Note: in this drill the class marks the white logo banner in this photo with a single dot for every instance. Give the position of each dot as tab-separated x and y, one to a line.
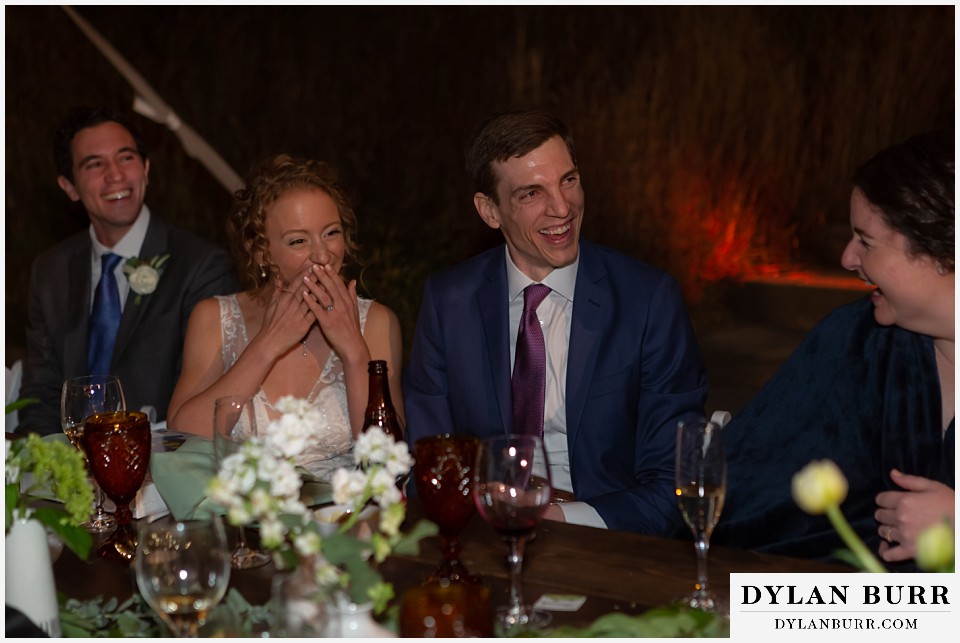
847	607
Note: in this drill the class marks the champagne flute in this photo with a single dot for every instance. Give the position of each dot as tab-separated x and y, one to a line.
513	500
234	420
182	570
81	397
701	477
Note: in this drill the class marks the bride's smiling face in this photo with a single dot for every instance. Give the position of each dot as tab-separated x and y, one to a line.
303	227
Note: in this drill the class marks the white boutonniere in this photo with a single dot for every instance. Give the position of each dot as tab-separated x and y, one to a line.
144	274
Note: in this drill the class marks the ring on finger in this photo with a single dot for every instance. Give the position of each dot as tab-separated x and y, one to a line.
329	307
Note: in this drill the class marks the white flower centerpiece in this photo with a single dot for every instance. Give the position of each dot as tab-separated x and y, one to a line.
260	483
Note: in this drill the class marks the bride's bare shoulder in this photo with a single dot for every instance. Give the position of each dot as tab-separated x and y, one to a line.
381	316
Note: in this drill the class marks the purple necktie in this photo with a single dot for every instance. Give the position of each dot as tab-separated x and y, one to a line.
530	366
104	317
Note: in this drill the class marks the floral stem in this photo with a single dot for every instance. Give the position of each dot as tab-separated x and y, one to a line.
866	558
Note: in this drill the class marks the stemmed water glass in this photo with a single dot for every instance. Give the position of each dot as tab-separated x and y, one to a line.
513	501
235	420
443	470
182	570
81	397
117	444
701	476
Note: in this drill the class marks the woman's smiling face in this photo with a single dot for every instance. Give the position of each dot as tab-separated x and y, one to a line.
303	228
907	285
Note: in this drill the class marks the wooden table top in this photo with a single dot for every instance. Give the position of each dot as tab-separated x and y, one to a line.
614	570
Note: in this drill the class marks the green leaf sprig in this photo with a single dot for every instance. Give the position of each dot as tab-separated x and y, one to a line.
56	466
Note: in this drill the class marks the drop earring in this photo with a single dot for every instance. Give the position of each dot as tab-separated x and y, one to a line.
940	269
263	271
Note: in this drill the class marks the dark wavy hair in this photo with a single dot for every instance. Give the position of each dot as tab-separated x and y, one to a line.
912	185
509	135
267	181
80	118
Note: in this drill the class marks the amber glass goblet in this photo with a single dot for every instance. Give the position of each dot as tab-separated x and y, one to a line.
118	450
446	609
444	469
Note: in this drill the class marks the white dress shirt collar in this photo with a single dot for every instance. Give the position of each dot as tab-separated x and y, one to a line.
129	245
562	281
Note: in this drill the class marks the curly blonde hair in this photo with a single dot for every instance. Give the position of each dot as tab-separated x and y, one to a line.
266	182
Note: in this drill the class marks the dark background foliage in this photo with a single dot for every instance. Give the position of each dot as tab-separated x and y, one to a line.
714	142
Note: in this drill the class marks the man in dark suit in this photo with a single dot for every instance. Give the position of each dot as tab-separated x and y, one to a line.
102	163
622	364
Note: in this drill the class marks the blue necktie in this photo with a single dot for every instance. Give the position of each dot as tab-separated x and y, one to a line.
104	318
530	366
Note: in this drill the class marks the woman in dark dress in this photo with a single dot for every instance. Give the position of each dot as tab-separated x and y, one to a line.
872	386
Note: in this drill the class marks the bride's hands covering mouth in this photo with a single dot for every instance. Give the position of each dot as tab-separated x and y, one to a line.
334	304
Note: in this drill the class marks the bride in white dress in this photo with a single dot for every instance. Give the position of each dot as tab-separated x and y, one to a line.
301	328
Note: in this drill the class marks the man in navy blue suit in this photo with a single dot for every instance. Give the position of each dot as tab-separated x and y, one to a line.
622	363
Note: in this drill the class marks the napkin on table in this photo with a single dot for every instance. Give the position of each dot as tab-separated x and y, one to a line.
181	477
14	377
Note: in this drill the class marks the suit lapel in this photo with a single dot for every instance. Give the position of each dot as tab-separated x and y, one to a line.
591	307
154	244
77	309
494	316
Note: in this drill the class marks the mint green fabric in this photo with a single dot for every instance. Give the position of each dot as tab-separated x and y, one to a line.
315	492
181	478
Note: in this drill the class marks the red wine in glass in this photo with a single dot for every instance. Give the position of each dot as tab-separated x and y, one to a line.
512	499
513	513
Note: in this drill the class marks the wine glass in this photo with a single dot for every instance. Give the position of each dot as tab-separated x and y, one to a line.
117	444
444	467
81	397
701	476
182	570
235	420
513	500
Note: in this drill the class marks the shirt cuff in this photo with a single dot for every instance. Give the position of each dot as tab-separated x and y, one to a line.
580	513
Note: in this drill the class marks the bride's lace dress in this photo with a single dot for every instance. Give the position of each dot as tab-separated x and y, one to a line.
333	447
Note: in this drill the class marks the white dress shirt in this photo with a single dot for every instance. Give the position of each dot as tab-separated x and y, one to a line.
128	246
555	314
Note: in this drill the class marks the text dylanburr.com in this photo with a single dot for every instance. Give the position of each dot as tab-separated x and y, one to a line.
852	606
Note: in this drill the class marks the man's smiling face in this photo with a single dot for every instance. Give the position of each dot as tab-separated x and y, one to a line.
540	210
109	178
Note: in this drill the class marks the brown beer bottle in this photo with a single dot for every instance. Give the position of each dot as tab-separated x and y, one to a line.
380	411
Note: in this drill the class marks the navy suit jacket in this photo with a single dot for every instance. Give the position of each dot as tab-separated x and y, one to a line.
148	351
633	371
863	395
